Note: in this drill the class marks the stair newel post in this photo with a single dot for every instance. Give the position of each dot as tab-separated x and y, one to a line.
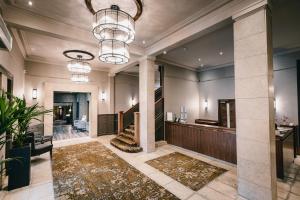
137	127
120	122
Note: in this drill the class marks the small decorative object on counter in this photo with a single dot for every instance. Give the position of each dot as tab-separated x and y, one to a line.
183	114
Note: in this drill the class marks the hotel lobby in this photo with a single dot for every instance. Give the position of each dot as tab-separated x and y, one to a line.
149	99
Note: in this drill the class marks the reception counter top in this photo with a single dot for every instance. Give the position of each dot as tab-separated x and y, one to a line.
215	141
195	125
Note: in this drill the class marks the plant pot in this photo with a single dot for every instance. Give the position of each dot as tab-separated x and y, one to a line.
19	170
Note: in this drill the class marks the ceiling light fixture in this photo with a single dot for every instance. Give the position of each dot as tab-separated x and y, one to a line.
115	29
78	64
30	3
80	78
199	59
221	53
165	52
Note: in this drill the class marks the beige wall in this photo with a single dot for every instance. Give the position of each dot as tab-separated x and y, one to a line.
13	62
37	74
181	89
126	88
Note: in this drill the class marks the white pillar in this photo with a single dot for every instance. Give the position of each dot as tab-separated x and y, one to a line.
256	166
147	107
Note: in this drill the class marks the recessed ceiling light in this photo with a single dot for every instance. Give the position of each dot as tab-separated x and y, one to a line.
30	3
165	52
199	59
184	48
221	53
144	42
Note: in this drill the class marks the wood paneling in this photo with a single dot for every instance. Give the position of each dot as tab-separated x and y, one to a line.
214	141
107	124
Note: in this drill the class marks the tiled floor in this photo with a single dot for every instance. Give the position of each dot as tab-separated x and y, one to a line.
62	132
222	188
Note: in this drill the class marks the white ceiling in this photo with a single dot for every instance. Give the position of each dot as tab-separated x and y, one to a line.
207	48
286	37
157	16
50	49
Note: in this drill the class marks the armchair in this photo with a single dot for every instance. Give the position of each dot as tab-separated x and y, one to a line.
40	145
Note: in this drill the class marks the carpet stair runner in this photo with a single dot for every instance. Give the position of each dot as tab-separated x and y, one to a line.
125	141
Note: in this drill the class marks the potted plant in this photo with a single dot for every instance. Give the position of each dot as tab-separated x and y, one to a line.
19	172
8	117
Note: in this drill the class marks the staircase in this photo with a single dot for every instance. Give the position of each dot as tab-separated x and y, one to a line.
128	139
125	141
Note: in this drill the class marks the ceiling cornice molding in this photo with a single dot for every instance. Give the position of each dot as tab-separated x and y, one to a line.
118	69
168	62
29	21
38	59
204	11
20	43
230	64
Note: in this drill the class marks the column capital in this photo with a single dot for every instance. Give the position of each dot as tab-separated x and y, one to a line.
258	5
111	74
152	58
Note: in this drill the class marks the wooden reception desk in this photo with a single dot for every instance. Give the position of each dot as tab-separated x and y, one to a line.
215	141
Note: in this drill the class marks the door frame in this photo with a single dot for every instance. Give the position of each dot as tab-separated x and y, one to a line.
50	88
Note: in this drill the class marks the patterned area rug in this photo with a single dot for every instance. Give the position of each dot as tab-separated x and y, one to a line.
190	172
91	171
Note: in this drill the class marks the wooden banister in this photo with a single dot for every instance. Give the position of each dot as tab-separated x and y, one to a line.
120	122
137	127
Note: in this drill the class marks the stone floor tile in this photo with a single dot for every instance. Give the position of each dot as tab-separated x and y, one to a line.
41	191
293	197
145	169
17	194
223	188
283	194
196	197
179	190
296	188
211	194
160	178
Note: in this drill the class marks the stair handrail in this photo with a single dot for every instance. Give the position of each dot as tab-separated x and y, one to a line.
137	128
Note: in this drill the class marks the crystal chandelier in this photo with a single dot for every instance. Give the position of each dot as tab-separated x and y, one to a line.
80	78
113	23
115	29
78	64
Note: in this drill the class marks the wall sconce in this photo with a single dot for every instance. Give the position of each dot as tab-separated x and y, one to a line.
205	104
34	94
132	102
103	96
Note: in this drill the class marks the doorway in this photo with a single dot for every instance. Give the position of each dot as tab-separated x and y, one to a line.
70	115
48	98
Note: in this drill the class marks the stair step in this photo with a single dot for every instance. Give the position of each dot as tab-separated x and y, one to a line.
130	131
131	126
124	147
130	136
126	140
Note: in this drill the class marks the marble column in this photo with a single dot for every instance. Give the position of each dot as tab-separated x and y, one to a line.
147	107
256	166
